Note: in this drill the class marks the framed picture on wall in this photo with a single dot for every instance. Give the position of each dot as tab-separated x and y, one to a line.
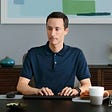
36	11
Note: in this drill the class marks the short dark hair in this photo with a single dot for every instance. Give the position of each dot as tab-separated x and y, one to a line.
59	15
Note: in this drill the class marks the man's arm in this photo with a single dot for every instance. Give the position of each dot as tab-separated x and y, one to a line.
24	88
68	91
85	84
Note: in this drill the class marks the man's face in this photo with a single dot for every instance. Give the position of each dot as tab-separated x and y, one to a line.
56	31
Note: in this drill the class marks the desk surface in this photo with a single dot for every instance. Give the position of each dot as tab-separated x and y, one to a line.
50	105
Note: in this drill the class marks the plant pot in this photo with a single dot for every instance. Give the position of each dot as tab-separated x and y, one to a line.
7	62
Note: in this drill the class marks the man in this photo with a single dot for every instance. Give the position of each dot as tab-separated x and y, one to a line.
54	65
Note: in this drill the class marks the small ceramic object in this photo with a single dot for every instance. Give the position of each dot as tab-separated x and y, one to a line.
7	62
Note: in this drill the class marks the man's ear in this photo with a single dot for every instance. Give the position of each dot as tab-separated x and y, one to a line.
66	31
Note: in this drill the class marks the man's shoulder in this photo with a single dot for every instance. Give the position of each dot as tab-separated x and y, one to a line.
35	49
74	49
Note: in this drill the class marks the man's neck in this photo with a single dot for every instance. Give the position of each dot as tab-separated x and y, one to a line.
56	48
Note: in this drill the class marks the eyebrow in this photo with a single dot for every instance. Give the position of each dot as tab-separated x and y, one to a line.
52	27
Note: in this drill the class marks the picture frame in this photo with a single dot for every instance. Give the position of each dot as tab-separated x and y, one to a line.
10	12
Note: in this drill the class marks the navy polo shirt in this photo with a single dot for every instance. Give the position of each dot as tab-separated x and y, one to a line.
55	70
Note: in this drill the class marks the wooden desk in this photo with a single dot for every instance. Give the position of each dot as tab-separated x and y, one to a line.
9	78
101	75
38	105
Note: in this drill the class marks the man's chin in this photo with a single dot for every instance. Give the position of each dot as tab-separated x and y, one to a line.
53	43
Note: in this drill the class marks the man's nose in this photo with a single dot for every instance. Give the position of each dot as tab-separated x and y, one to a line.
53	32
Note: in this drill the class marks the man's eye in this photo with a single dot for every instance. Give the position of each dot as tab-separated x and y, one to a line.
49	28
57	29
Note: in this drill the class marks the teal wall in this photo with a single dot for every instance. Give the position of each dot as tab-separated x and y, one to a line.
15	40
93	39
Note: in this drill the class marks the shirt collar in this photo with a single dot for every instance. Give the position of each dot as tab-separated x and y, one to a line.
50	52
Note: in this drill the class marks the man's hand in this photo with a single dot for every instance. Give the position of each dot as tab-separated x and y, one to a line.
45	91
68	91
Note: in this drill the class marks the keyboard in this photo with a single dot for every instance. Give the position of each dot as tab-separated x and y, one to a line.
47	97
